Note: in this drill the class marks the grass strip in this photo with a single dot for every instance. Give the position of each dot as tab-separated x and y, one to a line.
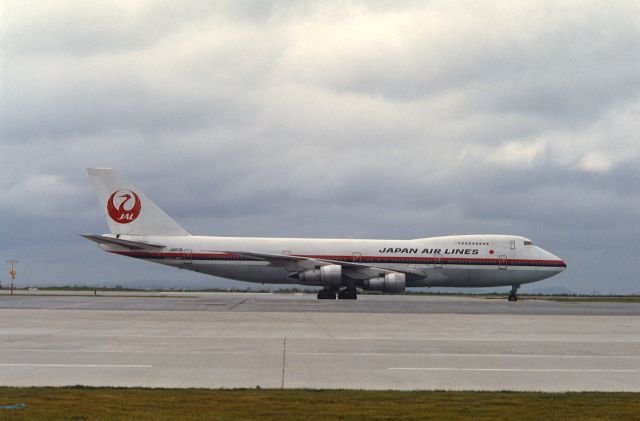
87	403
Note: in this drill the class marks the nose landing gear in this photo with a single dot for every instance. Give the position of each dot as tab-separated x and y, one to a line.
513	296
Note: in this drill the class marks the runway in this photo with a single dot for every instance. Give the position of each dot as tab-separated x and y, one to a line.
277	340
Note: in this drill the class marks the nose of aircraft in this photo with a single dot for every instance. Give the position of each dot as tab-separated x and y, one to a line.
558	263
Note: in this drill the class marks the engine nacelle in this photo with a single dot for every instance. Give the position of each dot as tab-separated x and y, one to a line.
390	282
329	275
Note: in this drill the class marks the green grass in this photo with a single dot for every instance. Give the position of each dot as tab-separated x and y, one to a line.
81	403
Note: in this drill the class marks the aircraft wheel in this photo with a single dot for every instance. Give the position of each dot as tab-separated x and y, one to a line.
346	294
326	294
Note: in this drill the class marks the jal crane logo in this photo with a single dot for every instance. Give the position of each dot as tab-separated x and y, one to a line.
124	206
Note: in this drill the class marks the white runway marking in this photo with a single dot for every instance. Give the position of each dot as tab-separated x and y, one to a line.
537	370
75	365
403	354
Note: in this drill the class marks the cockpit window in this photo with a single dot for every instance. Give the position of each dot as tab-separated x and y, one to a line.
528	243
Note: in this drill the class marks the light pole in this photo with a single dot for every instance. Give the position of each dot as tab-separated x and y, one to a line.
12	272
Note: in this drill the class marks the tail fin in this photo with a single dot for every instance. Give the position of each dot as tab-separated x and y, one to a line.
127	209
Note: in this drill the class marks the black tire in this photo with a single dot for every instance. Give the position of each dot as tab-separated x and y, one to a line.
347	295
326	295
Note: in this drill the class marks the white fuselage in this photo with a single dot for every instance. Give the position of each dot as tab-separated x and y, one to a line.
452	261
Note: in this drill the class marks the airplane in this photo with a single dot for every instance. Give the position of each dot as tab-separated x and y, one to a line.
140	229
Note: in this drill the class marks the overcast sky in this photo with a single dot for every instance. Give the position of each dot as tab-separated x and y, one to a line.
377	119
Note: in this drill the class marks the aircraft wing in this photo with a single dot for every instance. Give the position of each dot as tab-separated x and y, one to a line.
354	270
132	245
287	261
365	271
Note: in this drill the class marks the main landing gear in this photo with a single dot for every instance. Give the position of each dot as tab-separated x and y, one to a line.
348	294
344	294
513	294
327	294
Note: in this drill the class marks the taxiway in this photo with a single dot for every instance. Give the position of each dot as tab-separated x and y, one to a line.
277	340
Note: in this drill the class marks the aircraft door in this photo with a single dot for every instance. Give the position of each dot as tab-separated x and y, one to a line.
437	261
187	257
502	262
357	257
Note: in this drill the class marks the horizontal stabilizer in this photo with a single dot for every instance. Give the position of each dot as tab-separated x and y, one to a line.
133	245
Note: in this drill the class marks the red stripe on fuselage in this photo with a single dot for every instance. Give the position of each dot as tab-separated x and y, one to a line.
358	259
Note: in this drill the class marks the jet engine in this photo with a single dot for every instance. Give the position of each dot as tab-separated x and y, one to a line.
390	282
329	275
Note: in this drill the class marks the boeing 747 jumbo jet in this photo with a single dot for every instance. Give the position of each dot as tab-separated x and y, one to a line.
142	230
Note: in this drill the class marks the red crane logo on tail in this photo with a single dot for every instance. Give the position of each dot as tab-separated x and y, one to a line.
124	206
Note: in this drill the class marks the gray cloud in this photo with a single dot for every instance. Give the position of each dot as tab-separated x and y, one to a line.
359	119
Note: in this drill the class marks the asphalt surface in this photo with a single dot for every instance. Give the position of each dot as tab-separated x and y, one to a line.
278	340
261	302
